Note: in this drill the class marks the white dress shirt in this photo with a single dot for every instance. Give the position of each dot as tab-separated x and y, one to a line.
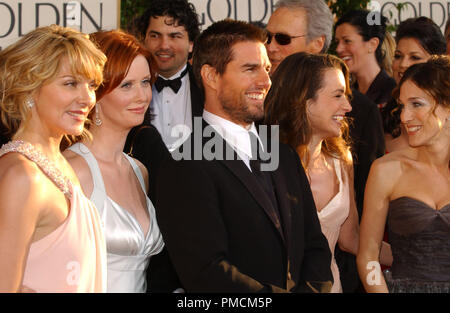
171	109
235	135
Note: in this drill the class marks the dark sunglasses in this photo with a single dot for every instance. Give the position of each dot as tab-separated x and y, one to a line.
281	39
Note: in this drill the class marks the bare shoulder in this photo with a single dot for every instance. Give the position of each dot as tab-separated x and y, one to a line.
387	171
21	184
77	162
143	170
81	169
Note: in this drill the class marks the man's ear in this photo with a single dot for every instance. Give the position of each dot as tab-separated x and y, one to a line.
209	76
316	45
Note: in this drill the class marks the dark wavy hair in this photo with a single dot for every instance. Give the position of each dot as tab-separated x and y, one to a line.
427	33
182	12
430	37
298	79
433	77
358	19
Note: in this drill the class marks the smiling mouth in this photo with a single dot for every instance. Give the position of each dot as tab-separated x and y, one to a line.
413	129
77	115
256	96
338	117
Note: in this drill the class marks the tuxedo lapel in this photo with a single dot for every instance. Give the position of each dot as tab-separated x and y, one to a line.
196	95
284	207
240	170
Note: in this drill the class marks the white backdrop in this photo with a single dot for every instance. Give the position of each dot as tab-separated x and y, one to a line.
260	10
18	17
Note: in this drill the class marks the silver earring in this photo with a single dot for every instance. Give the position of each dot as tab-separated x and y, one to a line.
29	102
448	118
97	120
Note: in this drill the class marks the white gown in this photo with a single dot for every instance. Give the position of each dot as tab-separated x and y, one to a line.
128	248
331	218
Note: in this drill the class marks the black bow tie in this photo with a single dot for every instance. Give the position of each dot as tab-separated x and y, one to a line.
175	84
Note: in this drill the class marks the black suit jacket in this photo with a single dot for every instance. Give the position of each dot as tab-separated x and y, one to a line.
221	233
197	97
366	133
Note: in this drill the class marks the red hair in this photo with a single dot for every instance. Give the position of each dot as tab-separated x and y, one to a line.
121	49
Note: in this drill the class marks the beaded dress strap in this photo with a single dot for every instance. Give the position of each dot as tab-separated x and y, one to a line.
47	166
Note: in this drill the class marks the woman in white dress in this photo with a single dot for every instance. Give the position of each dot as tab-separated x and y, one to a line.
309	100
115	182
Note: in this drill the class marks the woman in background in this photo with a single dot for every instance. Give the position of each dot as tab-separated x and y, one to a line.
115	182
360	46
410	188
51	238
417	40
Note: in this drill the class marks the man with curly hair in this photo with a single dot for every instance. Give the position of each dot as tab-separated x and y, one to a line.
168	29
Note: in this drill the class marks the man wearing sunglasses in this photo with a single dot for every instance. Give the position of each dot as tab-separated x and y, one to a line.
298	26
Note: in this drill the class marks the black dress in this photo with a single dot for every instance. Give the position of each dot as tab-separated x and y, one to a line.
420	242
380	91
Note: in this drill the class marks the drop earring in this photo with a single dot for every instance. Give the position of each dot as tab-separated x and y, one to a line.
97	120
29	102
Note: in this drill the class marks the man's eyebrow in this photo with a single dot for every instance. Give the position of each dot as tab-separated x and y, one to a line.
158	33
250	65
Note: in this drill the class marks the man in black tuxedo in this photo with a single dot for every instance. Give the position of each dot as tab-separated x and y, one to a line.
228	224
168	30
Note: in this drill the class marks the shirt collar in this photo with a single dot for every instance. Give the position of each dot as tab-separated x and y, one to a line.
235	135
177	74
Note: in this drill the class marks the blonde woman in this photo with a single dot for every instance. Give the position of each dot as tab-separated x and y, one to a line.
50	234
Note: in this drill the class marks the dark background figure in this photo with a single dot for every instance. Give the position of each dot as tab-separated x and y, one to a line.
360	46
4	135
229	225
168	30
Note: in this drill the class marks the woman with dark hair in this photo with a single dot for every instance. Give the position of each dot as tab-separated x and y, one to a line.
417	40
115	182
359	44
411	189
309	100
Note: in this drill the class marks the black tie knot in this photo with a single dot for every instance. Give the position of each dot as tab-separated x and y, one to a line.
175	84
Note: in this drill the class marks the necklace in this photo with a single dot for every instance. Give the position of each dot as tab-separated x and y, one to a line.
42	161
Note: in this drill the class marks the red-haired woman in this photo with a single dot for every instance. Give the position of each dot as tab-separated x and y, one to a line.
115	182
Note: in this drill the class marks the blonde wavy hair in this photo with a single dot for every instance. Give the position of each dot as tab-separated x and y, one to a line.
35	60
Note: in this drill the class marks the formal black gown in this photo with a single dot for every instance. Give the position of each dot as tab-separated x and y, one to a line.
420	240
